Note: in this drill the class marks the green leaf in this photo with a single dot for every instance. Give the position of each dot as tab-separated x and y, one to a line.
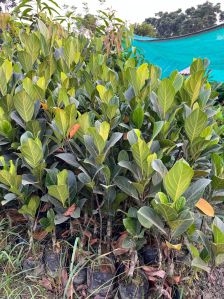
48	222
140	153
177	81
43	29
62	177
180	225
159	167
197	65
26	60
33	126
6	178
98	140
69	159
195	191
31	44
199	263
217	183
71	113
71	51
132	226
32	152
84	122
126	186
24	105
148	217
104	130
5	75
166	211
179	204
166	93
178	179
218	230
61	121
7	69
115	137
193	85
130	166
138	116
142	74
60	192
157	127
105	95
195	123
218	164
31	207
205	241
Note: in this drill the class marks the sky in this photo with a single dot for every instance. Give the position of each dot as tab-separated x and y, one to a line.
138	10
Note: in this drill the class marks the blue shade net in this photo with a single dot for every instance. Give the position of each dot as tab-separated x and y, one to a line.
177	53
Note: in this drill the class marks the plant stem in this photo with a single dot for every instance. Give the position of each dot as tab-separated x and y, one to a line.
109	232
134	259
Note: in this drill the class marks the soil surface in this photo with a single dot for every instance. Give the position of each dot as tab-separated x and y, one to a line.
211	286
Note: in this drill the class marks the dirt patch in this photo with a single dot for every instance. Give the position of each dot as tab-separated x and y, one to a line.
211	286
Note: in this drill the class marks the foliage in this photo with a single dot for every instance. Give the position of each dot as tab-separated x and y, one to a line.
144	29
176	23
88	129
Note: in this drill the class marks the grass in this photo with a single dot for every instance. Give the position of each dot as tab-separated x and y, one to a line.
14	281
17	283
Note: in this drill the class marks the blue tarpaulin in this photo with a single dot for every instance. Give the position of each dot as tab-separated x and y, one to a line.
177	53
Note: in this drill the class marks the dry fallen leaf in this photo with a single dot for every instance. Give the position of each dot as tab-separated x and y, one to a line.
15	217
46	283
73	130
70	291
205	207
87	234
64	277
173	246
40	235
93	241
152	272
177	279
70	210
117	245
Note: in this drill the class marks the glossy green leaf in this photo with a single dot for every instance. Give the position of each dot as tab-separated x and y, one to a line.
195	123
166	93
138	116
140	153
193	85
126	186
178	179
60	192
148	217
24	105
61	121
142	74
182	223
200	264
32	152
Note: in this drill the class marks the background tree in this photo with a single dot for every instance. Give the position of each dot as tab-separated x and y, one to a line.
88	22
144	29
191	20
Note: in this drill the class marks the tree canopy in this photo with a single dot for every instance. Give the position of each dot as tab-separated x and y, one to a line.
145	29
193	19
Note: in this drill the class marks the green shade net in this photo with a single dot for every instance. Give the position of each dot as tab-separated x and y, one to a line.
178	53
